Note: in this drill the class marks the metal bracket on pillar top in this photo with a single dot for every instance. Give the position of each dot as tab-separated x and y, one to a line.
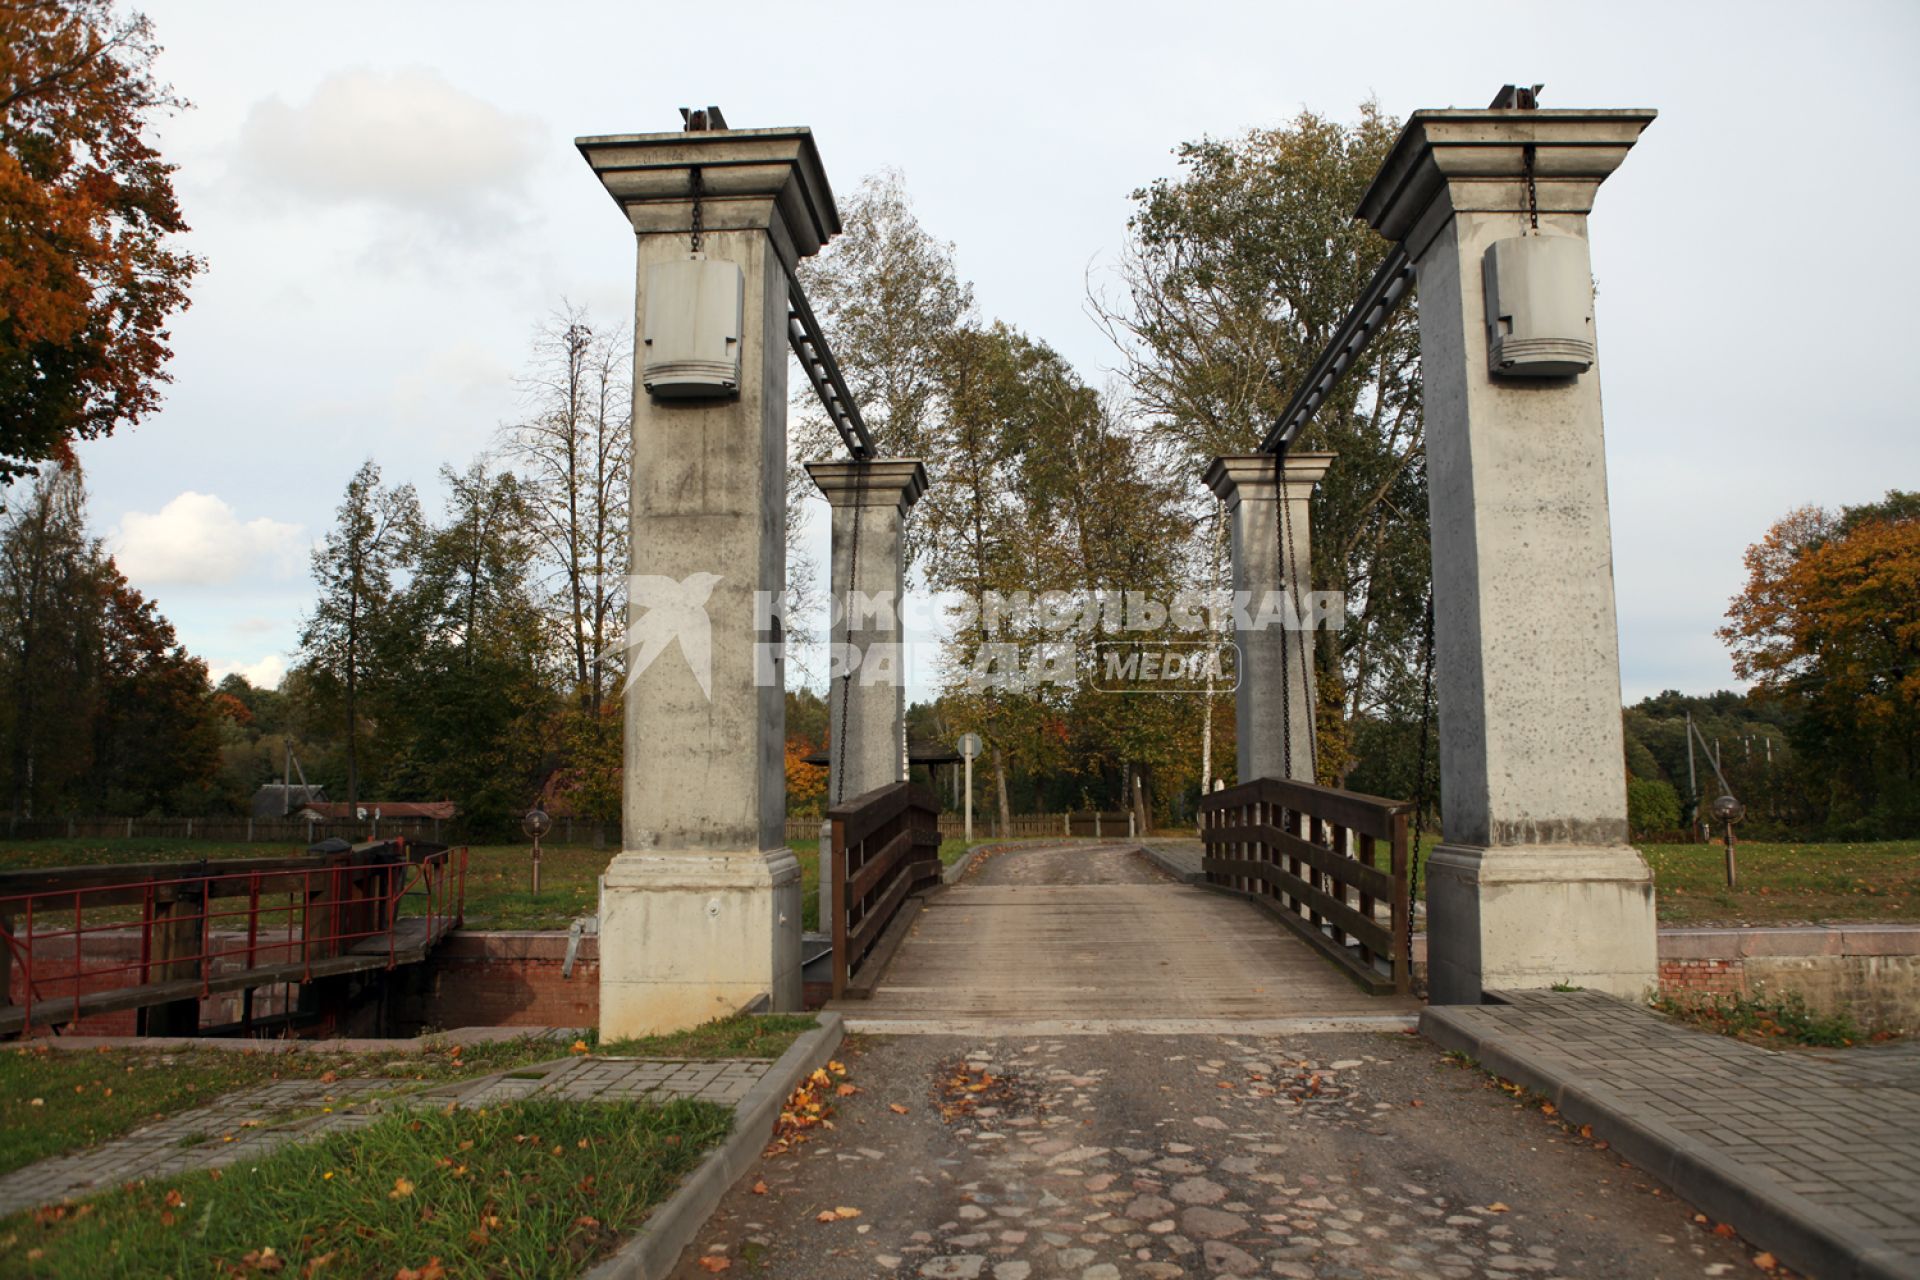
1362	325
816	357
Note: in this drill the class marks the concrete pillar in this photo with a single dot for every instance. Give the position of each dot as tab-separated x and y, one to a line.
700	911
1272	707
866	714
1535	883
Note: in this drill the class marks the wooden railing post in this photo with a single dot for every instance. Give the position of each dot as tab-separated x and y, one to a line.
1402	909
838	870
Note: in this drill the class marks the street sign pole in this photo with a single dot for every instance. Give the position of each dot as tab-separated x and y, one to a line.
970	745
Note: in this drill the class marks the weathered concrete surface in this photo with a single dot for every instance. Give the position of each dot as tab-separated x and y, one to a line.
1813	1155
1157	1158
1272	718
1537	883
867	710
1098	935
700	912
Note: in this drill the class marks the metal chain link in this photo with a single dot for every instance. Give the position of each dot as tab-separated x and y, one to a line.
1421	788
1280	570
1533	193
1297	599
699	186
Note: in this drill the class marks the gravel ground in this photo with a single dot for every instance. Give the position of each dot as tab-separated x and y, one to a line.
1101	1157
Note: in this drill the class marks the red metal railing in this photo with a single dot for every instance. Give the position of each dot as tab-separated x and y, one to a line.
219	925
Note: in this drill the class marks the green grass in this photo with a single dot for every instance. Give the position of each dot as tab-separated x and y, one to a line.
85	1099
531	1189
741	1036
1767	1018
1787	883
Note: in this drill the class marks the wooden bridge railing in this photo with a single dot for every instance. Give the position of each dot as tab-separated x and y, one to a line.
886	847
1314	857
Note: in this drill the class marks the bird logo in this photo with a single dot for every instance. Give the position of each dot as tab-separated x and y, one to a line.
675	611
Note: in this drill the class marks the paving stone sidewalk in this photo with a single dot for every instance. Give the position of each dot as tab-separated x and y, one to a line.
252	1123
1814	1154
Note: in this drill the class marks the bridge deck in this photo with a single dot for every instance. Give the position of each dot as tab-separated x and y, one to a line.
412	939
1080	934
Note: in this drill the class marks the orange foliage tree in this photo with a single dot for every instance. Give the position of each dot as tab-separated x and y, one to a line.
88	277
1830	621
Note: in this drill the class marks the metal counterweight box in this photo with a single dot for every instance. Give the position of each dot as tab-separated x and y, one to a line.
691	331
1539	307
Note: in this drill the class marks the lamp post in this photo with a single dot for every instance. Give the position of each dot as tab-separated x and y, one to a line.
536	824
1729	811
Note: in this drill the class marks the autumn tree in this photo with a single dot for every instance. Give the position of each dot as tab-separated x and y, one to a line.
48	636
105	710
471	674
572	453
1829	624
1235	275
87	217
375	536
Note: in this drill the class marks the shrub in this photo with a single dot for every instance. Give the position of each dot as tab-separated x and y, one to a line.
1652	805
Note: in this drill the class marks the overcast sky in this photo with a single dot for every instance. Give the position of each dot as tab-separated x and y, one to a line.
389	201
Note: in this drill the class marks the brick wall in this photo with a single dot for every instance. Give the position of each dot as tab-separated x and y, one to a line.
505	979
1720	977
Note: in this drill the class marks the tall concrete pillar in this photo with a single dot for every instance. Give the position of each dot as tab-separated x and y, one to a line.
1535	883
867	711
1273	705
700	911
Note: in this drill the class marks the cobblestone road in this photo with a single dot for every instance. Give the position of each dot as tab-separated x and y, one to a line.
1102	1157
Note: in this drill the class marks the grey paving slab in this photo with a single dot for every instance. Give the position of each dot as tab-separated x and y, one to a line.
1806	1152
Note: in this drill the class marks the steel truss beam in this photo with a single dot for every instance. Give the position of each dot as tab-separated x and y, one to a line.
816	357
1369	316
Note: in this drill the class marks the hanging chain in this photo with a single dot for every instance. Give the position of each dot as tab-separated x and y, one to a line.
1298	599
1421	791
699	186
1533	192
1280	571
846	676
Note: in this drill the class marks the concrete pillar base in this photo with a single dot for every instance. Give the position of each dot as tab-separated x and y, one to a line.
1522	917
689	937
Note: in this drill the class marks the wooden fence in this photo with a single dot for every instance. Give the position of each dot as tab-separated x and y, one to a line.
886	847
1312	855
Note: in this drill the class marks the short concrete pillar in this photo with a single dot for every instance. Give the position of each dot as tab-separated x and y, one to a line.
1535	883
700	911
1273	706
867	709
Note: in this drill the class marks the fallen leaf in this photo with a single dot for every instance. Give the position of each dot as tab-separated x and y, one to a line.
401	1189
714	1262
328	1077
826	1215
1724	1231
1416	1103
175	1200
760	1187
580	1046
844	1212
897	1109
1497	1207
586	1221
1586	1131
314	1264
847	1090
1765	1261
432	1271
1548	1109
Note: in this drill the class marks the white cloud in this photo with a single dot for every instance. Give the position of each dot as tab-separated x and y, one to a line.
405	140
264	674
197	540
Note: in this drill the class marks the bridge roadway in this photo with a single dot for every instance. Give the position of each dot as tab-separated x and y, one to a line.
1063	938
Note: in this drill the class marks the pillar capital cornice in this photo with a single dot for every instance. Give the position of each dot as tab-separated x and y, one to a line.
1236	476
751	179
1448	162
881	482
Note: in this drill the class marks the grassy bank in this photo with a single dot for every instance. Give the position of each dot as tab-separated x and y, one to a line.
54	1101
533	1189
